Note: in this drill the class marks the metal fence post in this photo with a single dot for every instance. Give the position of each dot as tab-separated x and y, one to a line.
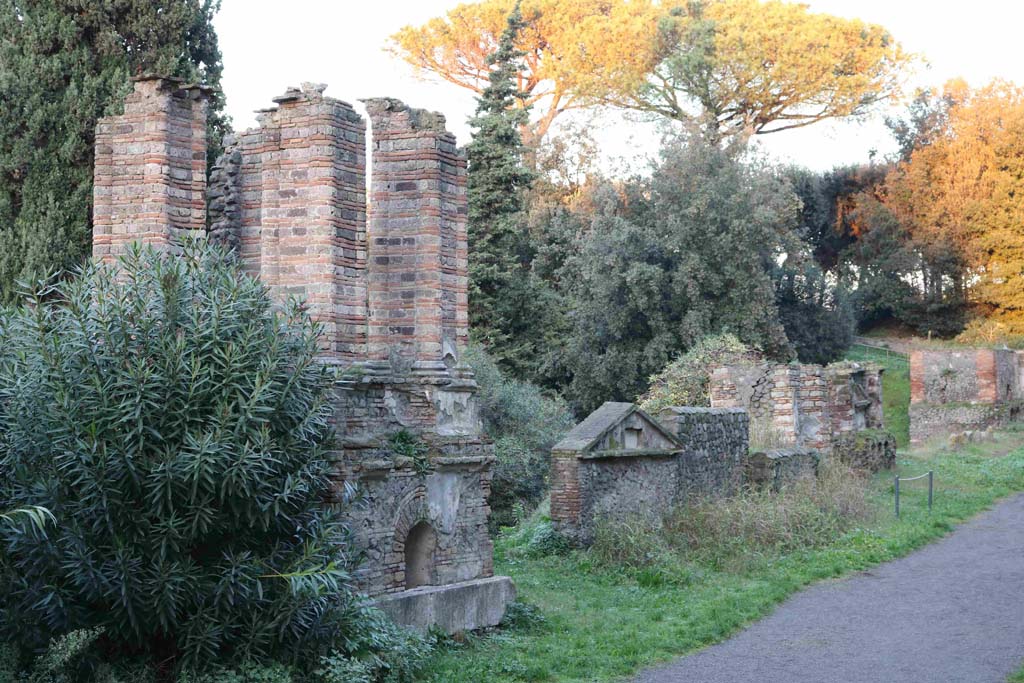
931	478
897	496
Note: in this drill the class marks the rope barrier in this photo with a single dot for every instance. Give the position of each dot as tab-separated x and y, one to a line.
920	476
931	487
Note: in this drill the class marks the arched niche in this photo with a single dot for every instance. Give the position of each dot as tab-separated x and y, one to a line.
419	555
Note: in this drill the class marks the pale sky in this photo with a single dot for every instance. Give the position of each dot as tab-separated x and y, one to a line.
271	44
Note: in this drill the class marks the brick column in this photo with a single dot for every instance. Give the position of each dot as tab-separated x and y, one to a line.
302	182
814	424
917	373
418	312
566	501
149	178
784	403
987	376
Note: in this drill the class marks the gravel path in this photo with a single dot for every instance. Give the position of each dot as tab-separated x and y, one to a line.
952	612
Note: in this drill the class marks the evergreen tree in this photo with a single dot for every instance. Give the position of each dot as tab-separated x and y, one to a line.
501	295
64	64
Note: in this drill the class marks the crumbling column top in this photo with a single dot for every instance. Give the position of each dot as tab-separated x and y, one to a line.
158	83
419	119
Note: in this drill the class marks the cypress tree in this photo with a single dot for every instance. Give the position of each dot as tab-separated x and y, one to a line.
64	64
500	296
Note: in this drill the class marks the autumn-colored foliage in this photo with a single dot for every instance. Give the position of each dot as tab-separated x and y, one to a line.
965	190
565	43
737	66
762	66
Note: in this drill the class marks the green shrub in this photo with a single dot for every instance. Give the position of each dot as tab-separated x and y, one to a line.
524	423
177	427
807	514
734	530
684	382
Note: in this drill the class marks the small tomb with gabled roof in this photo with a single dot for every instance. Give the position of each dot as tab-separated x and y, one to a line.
621	462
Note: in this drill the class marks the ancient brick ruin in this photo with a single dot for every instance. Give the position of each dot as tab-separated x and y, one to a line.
804	406
620	463
952	392
290	197
149	180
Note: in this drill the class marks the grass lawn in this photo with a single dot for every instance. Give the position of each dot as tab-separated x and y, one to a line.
895	388
604	625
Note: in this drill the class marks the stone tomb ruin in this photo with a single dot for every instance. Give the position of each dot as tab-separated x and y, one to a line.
290	197
794	408
963	392
620	463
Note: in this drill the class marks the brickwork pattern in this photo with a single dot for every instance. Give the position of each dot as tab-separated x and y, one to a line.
808	406
290	198
953	391
418	288
149	177
302	182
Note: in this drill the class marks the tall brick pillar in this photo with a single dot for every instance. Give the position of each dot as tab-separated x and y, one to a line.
418	253
785	402
149	178
301	177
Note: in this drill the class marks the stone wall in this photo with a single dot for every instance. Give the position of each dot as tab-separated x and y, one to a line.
803	405
870	450
714	443
778	468
953	391
290	198
451	496
590	486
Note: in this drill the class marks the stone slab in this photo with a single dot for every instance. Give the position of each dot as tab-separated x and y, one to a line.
466	606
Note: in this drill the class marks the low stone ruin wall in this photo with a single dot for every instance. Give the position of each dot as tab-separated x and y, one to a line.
954	391
871	450
800	404
591	487
779	468
715	441
928	420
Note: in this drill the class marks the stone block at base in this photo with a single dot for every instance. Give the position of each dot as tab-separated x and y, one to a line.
465	606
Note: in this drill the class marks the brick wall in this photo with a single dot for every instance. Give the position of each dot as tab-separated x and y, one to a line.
289	196
963	390
805	405
149	178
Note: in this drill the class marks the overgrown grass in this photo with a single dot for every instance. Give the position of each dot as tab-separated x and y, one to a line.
604	620
1017	677
895	388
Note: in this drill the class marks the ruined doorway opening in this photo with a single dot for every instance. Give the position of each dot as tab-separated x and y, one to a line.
419	556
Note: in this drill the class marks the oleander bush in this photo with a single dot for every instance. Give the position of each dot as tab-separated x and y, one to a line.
176	424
